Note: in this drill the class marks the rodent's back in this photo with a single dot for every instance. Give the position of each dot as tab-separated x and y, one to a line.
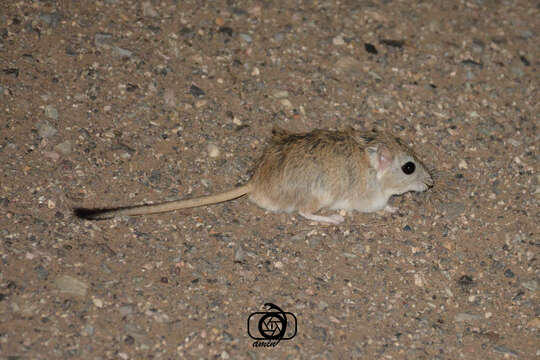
309	170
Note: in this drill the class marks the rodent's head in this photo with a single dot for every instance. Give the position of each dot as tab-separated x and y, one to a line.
397	169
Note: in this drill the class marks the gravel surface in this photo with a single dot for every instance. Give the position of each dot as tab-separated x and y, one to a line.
115	102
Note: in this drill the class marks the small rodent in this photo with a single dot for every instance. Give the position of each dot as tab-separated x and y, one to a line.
307	172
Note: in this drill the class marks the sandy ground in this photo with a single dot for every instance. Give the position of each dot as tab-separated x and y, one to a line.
114	102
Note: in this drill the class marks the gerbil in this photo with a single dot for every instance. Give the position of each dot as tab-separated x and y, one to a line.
307	172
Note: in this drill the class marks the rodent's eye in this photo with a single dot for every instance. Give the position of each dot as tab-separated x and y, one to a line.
408	168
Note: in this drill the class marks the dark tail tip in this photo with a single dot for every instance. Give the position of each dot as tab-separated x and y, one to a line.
90	214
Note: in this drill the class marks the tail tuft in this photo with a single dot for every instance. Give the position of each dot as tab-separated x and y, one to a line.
90	214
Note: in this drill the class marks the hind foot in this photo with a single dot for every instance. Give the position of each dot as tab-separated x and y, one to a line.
332	219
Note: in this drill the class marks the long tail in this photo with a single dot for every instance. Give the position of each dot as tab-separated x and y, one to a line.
101	214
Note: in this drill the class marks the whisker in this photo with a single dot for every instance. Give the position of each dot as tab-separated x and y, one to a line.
444	186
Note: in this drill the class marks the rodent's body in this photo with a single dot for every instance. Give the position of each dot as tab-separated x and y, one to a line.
308	172
350	170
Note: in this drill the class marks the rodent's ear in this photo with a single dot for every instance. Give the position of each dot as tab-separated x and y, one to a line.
380	157
363	138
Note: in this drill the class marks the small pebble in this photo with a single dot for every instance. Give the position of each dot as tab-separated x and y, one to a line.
280	94
247	38
534	323
155	176
462	317
219	21
102	39
239	254
517	71
97	302
348	64
323	305
126	309
42	273
120	52
200	103
129	340
465	281
531	285
227	338
169	96
472	63
514	142
370	48
88	330
286	103
51	112
278	37
46	130
374	75
524	60
393	43
64	147
213	150
70	285
453	209
338	40
509	273
51	204
255	11
51	19
54	156
196	91
148	9
226	30
504	350
131	87
526	34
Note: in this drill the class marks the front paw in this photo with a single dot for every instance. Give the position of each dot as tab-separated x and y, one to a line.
391	209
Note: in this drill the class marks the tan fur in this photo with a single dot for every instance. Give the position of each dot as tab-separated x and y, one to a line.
306	172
